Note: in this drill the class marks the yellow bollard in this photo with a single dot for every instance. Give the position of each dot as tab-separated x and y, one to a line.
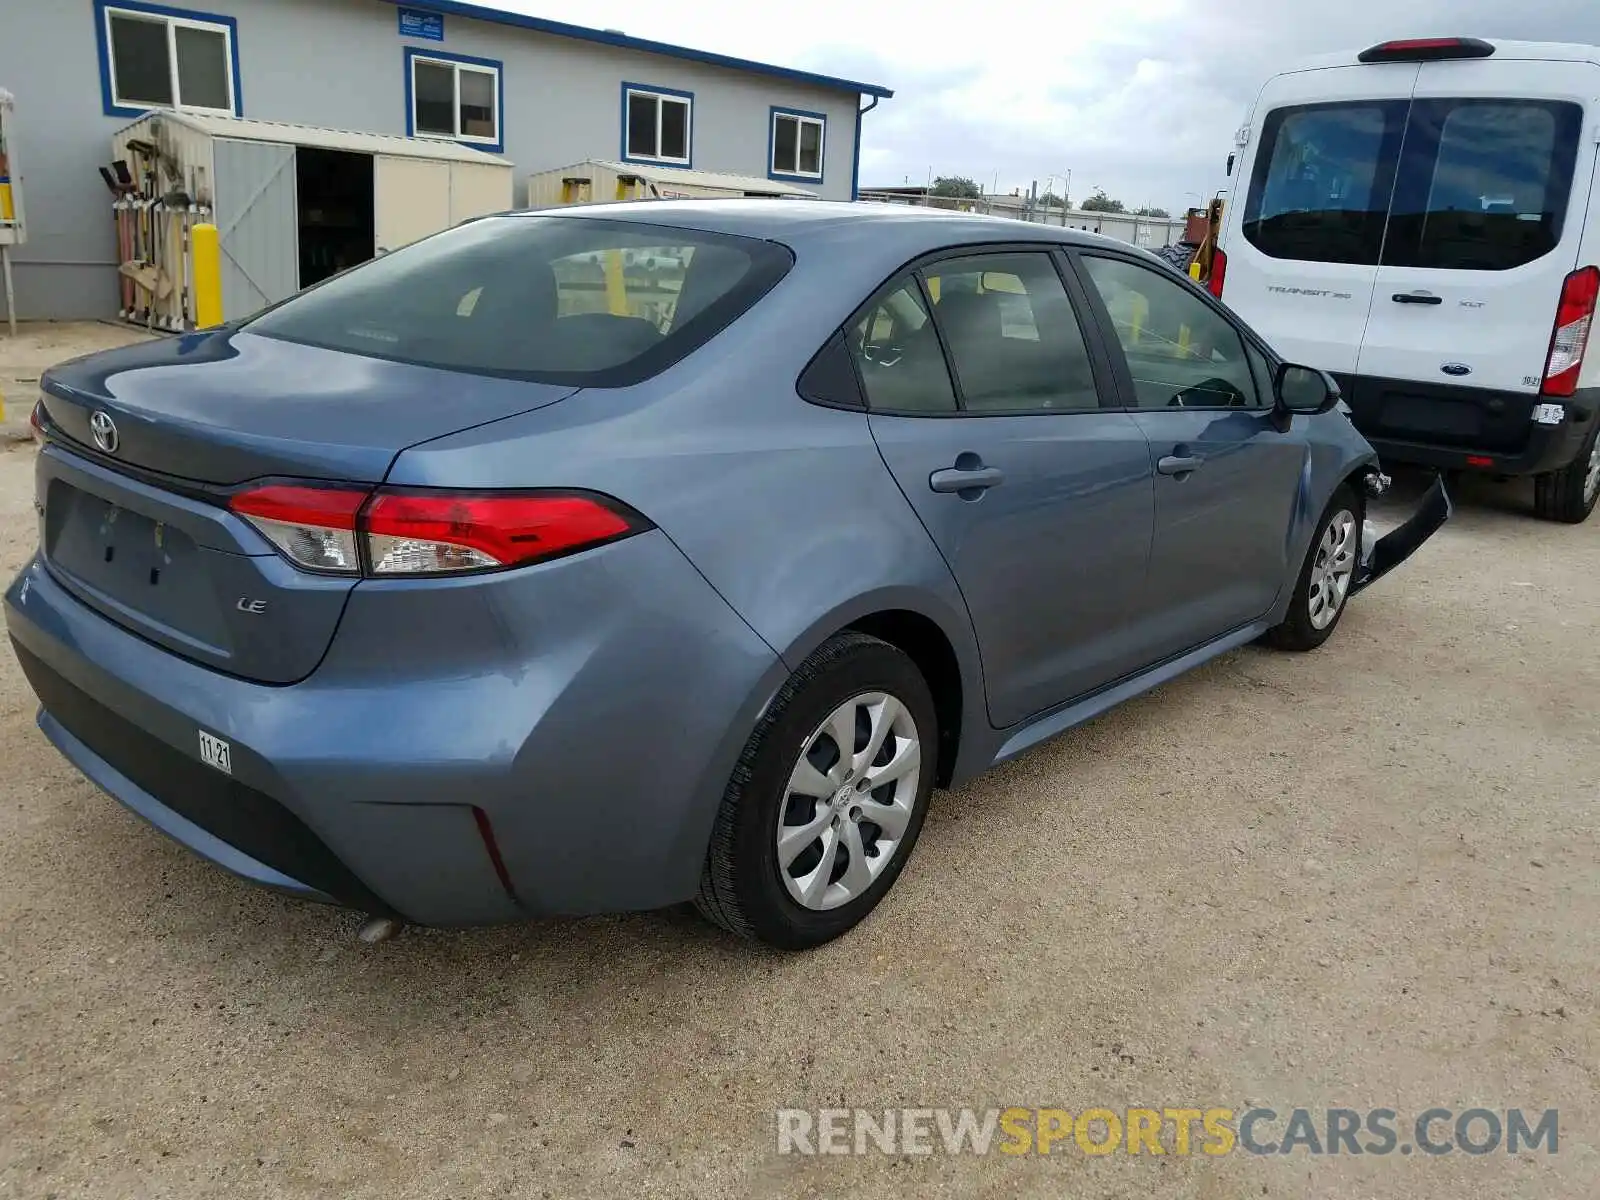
207	277
616	285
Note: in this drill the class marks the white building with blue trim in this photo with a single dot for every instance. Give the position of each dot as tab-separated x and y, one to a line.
539	93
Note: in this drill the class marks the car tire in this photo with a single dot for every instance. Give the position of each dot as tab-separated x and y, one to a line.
1569	495
1315	610
746	886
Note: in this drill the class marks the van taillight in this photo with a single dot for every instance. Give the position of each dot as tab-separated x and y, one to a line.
1219	273
1570	339
347	531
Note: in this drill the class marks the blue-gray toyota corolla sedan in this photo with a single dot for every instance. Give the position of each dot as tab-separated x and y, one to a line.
631	554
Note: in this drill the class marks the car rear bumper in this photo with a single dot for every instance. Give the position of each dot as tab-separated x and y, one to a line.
551	740
1456	428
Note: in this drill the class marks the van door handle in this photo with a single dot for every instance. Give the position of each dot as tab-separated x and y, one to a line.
1416	298
1177	464
956	479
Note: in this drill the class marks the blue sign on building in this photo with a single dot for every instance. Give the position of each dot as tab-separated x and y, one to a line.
419	23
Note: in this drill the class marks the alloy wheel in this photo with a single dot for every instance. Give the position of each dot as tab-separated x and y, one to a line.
1591	481
1332	569
849	801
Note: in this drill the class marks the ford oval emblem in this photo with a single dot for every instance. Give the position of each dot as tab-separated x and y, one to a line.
1456	369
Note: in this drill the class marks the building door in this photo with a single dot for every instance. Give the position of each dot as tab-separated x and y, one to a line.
257	215
413	200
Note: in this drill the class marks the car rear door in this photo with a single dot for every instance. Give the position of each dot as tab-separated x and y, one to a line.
1039	499
1488	213
1304	231
1227	477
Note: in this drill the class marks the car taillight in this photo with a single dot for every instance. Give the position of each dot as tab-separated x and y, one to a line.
1574	316
1219	273
314	527
36	421
410	533
417	532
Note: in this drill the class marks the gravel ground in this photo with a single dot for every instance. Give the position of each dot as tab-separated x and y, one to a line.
36	346
1361	877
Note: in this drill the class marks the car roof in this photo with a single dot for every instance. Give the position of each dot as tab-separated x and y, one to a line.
903	229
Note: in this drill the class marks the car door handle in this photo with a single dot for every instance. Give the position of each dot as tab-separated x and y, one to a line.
1177	464
1416	298
959	479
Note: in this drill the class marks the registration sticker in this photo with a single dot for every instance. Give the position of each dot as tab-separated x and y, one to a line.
214	752
1549	414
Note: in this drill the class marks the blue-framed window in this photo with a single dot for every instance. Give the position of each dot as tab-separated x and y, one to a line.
796	141
657	125
456	97
157	57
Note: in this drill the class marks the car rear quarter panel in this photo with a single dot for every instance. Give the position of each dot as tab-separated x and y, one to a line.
785	507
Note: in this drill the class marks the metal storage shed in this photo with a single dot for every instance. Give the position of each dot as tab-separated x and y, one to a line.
293	204
601	181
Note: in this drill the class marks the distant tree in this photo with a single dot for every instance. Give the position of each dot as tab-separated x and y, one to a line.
1151	212
1050	200
1100	202
958	187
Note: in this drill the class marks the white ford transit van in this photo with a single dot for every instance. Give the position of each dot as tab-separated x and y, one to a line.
1419	221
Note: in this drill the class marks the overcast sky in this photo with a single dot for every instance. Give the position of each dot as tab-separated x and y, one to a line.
1139	97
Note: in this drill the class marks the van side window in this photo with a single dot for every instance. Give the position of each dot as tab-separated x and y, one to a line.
1484	184
1320	187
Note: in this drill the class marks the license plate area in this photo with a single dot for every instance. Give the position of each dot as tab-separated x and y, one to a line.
145	566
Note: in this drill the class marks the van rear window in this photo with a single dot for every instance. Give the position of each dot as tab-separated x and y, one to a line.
584	301
1322	180
1454	184
1484	184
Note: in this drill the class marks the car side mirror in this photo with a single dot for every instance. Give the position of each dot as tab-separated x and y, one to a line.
1231	159
1303	390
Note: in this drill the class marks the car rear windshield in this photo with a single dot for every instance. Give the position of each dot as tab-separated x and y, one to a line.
1456	184
558	299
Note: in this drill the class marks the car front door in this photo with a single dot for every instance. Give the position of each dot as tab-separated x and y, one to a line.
985	400
1227	479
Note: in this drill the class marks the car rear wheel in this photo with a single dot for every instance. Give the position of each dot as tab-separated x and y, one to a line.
1569	495
1325	578
827	800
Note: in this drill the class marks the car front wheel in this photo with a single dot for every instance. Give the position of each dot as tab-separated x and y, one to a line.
1325	578
827	799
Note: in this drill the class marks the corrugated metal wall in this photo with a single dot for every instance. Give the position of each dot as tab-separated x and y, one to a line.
258	225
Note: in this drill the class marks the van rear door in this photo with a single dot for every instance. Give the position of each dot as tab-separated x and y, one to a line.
1305	230
1488	214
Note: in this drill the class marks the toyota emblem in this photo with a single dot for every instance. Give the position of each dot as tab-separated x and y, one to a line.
104	430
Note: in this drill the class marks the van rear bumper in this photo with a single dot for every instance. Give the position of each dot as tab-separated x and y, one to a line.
1452	428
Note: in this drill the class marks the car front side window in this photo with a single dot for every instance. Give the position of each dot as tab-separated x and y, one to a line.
1180	351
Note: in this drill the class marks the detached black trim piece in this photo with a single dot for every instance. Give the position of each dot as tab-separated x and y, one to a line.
248	820
1400	544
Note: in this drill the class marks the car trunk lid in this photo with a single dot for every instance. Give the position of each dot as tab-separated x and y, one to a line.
135	523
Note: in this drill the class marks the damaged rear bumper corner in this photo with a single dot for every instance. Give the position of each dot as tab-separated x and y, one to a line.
1379	556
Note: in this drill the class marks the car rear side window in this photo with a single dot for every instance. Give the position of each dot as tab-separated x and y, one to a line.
576	300
1013	336
1484	184
1320	188
897	354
